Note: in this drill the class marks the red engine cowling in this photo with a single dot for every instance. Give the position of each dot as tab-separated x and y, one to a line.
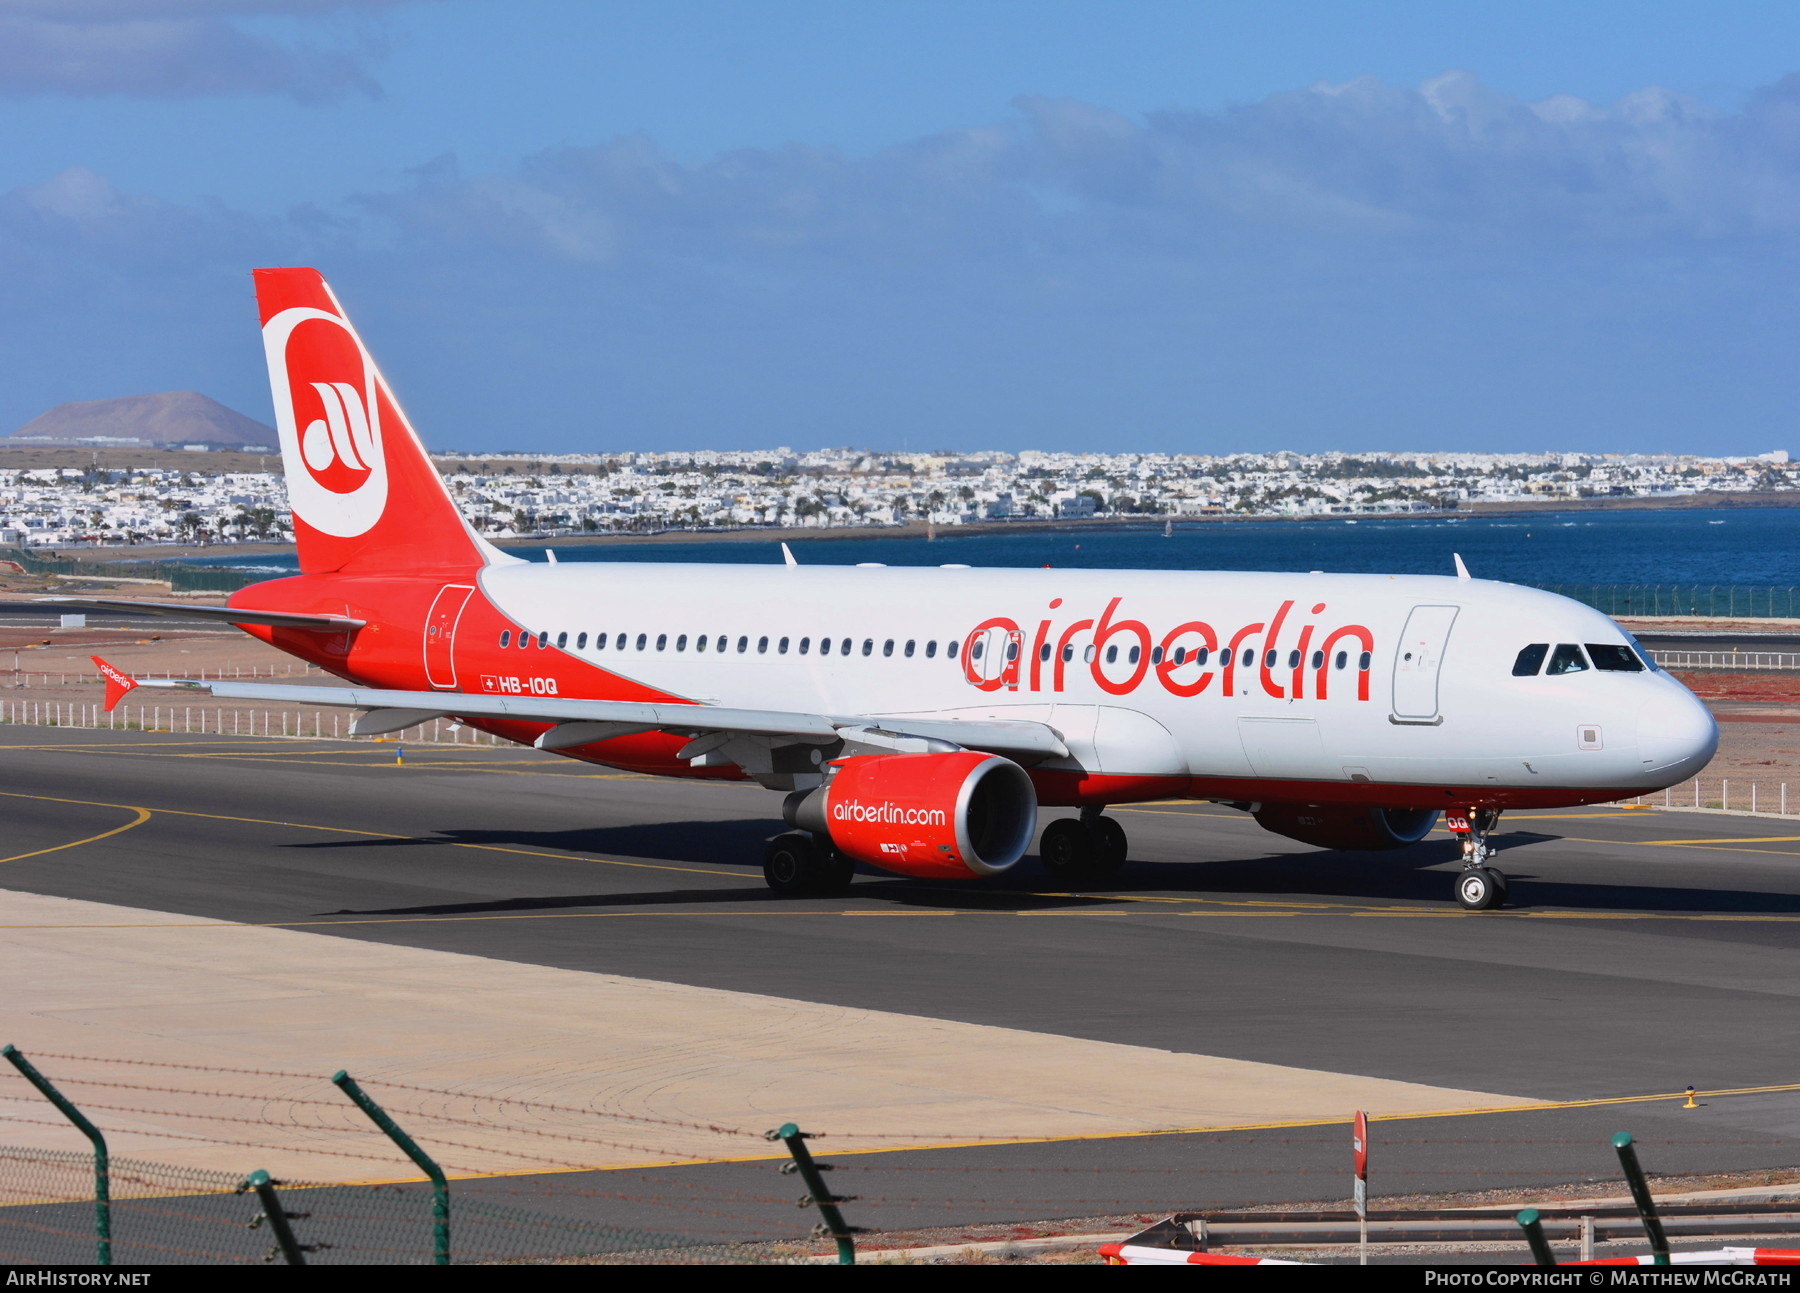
937	815
1347	826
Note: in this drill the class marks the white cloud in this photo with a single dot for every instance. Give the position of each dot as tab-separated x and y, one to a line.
173	49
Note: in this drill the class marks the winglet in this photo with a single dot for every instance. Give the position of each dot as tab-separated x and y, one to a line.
117	683
1462	571
788	556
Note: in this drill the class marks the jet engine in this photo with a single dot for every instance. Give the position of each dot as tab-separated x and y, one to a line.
1347	826
949	815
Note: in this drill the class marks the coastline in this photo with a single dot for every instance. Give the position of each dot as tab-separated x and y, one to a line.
919	530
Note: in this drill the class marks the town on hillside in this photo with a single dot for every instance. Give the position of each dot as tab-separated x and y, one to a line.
527	496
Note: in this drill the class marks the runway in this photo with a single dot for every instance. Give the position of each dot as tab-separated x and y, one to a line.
1642	952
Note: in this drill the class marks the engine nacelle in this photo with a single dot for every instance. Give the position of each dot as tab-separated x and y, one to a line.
936	815
1347	826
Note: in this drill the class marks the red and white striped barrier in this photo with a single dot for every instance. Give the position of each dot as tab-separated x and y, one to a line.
1128	1254
1711	1257
1142	1255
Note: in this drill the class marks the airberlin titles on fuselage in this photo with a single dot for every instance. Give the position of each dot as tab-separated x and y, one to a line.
1122	654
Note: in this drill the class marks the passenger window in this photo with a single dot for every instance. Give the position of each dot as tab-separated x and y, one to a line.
543	639
909	647
931	649
743	645
562	640
580	641
1293	659
806	645
1180	654
1364	660
681	643
642	638
781	647
1112	654
1012	650
1068	653
1610	658
1530	660
1087	656
1318	660
762	645
505	637
700	643
1044	651
1200	654
722	644
950	649
1155	655
1132	655
662	641
868	646
976	650
887	648
1269	659
1343	658
1249	657
620	644
1567	658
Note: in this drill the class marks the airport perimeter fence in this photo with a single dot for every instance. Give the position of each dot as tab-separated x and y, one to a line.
527	1181
1722	794
1685	601
1712	601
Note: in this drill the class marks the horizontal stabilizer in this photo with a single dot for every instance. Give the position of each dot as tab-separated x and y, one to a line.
224	614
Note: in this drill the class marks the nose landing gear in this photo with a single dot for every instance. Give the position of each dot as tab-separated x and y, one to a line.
1480	887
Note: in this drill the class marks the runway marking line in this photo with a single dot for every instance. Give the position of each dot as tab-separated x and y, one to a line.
341	830
1548	1106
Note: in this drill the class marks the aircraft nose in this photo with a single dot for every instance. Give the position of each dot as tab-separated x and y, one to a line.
1676	733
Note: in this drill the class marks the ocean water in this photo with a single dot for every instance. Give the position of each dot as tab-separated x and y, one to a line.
1752	546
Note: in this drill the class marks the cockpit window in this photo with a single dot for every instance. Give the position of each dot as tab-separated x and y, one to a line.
1530	660
1613	658
1567	658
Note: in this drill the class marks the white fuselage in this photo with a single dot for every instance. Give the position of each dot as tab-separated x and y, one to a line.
1403	680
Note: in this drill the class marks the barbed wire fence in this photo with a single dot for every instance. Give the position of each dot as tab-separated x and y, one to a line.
532	1180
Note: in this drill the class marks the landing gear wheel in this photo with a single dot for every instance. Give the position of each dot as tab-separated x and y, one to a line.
1067	849
1499	879
1478	889
1110	847
791	864
834	873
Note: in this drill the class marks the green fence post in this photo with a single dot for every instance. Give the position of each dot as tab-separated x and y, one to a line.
1640	1195
813	1174
1533	1226
440	1188
273	1213
102	1165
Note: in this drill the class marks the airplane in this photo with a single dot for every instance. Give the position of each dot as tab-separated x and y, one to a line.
917	718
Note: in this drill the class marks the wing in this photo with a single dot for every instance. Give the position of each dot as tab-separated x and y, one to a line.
581	722
224	614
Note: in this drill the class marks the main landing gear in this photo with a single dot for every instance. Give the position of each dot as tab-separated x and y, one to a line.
798	865
1088	850
1480	887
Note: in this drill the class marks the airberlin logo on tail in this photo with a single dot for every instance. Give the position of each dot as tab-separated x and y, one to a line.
328	413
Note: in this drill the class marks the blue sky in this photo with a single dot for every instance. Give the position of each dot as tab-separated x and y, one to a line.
1189	227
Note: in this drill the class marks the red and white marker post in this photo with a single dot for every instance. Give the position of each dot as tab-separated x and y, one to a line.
1359	1146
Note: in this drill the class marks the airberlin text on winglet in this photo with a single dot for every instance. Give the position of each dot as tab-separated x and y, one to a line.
1182	659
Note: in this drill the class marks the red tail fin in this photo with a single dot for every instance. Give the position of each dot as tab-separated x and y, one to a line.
117	682
364	495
